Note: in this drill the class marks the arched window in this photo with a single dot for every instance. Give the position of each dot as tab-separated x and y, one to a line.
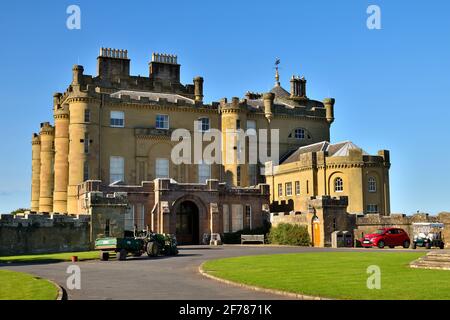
372	184
338	185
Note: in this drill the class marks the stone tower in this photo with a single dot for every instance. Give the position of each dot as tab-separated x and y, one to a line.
35	171
234	155
47	135
61	117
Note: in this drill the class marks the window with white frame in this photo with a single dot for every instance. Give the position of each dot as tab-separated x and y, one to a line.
162	168
288	189
280	189
117	119
372	208
297	188
162	121
116	169
338	185
203	124
372	182
251	127
204	172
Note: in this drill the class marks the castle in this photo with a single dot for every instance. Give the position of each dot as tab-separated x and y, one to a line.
112	133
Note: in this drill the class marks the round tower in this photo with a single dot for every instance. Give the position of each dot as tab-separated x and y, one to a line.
47	135
234	153
84	147
35	171
268	105
61	116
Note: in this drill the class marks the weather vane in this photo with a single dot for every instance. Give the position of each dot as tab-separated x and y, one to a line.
277	76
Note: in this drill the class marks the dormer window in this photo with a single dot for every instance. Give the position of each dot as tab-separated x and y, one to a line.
300	134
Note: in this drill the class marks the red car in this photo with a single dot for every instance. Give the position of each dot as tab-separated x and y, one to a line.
391	237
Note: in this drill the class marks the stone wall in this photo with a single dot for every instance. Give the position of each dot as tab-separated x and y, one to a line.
38	233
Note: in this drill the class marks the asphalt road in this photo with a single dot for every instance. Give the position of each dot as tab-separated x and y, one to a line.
159	278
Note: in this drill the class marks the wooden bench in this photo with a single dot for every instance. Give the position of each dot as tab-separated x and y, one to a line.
252	238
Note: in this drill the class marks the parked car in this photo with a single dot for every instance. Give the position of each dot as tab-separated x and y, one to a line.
391	237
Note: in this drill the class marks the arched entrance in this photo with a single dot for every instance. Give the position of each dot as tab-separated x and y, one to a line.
187	230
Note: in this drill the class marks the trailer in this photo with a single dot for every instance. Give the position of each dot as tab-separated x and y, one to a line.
153	244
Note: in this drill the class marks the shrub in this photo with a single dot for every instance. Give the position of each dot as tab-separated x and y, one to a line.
289	234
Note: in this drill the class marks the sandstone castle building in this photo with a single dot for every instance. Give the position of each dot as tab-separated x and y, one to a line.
112	131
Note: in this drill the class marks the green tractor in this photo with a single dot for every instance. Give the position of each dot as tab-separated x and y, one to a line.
428	235
153	244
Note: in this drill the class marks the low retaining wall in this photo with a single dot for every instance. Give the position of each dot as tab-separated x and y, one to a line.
371	222
39	233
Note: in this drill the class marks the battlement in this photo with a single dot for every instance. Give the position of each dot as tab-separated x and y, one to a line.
42	220
113	53
164	58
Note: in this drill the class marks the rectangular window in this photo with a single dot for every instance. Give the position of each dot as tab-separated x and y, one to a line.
226	218
248	216
162	121
162	168
204	172
251	127
129	218
372	208
237	221
116	169
86	143
117	119
238	124
307	186
289	189
280	189
140	217
238	176
297	188
107	223
86	171
203	124
87	115
253	174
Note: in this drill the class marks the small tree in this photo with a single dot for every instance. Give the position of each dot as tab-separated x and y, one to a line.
20	210
289	234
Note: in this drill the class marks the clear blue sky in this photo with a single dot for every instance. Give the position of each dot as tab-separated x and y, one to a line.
391	85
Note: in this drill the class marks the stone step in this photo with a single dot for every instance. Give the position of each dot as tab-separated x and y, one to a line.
437	258
431	264
438	255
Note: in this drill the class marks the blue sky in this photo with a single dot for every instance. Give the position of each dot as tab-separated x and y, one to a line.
391	85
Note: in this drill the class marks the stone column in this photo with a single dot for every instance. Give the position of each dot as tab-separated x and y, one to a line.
35	171
61	117
46	173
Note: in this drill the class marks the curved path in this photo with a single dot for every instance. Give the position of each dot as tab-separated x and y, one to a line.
159	278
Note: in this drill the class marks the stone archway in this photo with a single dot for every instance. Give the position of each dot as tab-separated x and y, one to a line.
187	223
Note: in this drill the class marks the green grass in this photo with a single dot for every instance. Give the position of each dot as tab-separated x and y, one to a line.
341	275
50	257
23	286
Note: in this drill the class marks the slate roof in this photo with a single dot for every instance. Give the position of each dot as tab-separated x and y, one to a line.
341	149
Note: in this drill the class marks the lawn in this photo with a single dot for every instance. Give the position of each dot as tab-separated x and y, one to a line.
341	275
23	286
50	257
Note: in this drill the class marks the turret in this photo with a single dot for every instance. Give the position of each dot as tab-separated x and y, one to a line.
77	75
268	105
61	116
329	106
198	89
46	172
35	171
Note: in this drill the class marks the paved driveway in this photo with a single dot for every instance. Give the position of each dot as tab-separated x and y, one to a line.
158	278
